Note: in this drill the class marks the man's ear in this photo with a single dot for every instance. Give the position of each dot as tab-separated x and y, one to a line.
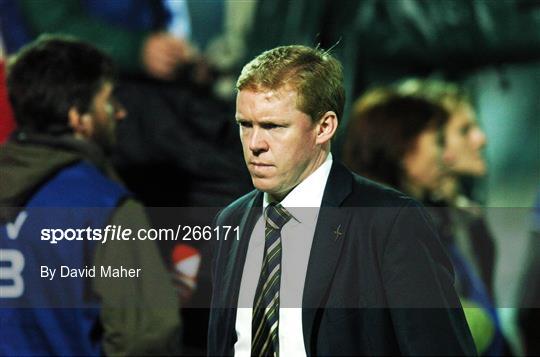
80	123
327	127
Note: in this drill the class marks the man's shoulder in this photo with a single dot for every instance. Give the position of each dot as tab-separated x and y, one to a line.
80	184
368	193
237	208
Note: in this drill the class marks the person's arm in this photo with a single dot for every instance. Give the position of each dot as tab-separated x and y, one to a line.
418	279
140	315
69	17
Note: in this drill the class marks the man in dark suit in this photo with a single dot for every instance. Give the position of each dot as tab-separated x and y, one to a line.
326	262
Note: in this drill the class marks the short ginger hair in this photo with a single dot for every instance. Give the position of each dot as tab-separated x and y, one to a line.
316	76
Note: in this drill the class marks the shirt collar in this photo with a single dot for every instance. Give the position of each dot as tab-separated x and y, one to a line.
307	194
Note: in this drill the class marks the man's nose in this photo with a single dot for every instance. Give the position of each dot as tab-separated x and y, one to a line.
257	142
478	138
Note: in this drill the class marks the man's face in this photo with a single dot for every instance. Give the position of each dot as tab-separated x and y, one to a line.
464	143
278	140
105	111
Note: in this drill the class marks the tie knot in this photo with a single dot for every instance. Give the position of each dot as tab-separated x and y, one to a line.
277	216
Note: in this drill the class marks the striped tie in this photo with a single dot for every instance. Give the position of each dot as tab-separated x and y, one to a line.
265	323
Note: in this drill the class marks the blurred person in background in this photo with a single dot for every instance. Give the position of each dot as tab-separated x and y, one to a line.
154	44
61	92
394	139
461	221
175	123
464	139
133	33
460	217
384	134
463	158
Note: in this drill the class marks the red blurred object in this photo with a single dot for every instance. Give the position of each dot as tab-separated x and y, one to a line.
7	123
186	262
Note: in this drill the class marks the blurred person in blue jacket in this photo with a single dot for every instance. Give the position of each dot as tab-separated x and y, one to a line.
54	173
174	124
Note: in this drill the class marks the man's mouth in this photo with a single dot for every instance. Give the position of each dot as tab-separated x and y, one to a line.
259	164
260	169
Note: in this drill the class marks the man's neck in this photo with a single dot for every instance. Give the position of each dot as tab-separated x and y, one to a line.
281	196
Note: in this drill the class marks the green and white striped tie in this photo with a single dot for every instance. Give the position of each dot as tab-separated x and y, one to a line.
265	322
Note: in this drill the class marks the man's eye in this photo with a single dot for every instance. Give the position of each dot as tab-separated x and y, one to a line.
244	124
270	126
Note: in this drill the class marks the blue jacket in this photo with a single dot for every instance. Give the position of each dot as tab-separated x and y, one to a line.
59	316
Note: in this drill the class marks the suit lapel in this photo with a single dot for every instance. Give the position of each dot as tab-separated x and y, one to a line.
237	253
330	233
232	276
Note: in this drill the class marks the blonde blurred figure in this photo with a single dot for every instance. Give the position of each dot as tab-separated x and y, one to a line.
421	137
464	139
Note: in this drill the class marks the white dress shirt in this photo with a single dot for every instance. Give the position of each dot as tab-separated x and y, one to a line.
303	202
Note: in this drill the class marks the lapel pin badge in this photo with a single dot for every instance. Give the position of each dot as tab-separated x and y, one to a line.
338	232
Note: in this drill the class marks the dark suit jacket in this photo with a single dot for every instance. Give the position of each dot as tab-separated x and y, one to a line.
383	287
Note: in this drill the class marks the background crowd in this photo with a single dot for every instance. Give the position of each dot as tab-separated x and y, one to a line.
442	104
